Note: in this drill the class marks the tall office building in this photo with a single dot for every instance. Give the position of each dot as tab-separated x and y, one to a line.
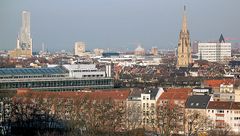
24	40
215	51
184	57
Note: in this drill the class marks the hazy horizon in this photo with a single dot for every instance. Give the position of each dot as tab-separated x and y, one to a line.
117	24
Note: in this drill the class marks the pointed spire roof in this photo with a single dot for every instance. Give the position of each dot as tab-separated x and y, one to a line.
221	39
184	21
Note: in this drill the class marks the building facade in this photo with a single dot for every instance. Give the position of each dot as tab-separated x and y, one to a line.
184	57
58	78
79	48
24	40
215	51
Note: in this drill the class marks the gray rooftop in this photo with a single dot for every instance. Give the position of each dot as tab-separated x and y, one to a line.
152	91
198	101
31	71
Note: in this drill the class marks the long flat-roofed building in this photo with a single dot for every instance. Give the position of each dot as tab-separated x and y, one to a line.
58	78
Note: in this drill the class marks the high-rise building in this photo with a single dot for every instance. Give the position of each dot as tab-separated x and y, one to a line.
214	51
24	40
79	48
184	57
154	51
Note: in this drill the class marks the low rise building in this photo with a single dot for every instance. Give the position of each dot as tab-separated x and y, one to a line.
225	115
56	78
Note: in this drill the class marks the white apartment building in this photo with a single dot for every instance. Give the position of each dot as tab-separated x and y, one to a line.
149	99
214	51
225	114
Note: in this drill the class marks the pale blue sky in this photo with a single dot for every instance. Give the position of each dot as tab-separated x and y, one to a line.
117	24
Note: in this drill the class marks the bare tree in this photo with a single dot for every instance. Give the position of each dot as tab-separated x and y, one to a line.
223	130
196	122
169	119
133	115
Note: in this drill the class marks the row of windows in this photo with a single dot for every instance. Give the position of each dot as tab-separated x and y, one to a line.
236	118
84	70
148	121
147	113
92	75
222	111
54	83
31	76
147	105
145	98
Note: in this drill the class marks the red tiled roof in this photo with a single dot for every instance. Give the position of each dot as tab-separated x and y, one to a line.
179	90
219	105
99	94
236	105
175	94
217	83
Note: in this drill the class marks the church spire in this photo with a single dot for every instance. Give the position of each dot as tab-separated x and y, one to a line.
184	21
184	45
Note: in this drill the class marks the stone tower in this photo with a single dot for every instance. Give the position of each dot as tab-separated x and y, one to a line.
184	57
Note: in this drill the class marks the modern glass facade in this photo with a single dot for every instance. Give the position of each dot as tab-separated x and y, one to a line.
58	84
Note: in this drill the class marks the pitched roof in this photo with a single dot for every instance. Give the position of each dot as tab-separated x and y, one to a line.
221	39
152	91
135	94
100	94
198	101
217	82
219	105
179	90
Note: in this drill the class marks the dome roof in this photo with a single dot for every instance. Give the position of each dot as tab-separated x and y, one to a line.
139	49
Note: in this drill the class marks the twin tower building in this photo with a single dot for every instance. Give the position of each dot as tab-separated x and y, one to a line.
24	42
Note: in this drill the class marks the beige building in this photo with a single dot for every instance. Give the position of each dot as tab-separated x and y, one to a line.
20	53
237	94
79	48
139	51
225	115
148	102
24	40
98	52
184	57
154	51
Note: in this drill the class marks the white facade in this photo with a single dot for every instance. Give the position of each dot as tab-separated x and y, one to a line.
24	40
108	70
79	48
84	71
226	88
221	117
149	107
214	52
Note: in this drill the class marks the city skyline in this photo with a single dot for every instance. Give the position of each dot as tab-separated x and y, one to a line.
115	24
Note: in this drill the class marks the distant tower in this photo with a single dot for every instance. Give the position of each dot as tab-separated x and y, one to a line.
154	51
184	57
24	41
79	48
